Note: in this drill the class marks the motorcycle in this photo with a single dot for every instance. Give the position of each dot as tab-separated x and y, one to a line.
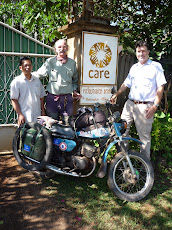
49	147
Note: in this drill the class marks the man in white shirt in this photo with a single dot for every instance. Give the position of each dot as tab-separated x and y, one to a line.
27	94
146	82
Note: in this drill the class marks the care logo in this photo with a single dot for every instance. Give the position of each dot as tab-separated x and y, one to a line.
100	54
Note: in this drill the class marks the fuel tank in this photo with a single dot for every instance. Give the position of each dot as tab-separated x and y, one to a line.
63	144
62	131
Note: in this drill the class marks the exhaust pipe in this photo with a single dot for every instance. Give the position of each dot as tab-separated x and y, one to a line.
74	174
59	171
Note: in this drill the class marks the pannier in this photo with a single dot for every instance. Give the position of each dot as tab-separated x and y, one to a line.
33	144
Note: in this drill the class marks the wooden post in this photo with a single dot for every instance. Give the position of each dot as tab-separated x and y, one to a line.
85	22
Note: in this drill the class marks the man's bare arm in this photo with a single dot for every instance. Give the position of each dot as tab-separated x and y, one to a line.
151	111
16	106
120	90
42	107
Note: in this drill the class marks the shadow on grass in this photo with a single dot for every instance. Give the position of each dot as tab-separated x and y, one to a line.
28	202
94	197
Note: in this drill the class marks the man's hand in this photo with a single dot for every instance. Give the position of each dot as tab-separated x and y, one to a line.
151	111
21	119
77	95
113	99
121	90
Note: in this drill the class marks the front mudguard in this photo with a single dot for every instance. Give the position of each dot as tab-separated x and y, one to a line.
103	167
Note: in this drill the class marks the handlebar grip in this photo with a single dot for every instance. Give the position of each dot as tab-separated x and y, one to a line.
113	90
108	104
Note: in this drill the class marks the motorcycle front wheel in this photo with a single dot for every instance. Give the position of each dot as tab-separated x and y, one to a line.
121	181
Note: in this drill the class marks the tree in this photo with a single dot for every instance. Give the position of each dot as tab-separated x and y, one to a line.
37	17
149	19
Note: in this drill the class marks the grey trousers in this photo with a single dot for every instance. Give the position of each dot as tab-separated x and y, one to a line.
137	113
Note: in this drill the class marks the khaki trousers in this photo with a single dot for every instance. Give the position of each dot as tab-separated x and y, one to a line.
137	113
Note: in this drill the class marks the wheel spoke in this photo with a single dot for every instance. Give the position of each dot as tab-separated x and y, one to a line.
123	183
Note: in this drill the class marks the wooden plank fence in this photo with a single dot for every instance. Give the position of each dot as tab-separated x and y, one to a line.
125	61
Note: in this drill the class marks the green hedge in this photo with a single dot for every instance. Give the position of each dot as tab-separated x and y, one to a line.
162	136
161	142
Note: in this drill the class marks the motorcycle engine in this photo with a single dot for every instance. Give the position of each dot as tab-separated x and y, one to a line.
88	150
81	163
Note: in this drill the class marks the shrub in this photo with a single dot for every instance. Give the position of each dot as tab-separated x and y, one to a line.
162	136
161	142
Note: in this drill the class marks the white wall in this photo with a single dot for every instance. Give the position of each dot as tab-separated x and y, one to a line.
6	137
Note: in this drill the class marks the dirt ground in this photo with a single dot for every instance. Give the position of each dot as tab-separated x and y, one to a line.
24	207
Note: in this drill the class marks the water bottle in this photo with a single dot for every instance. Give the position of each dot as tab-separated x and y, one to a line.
65	118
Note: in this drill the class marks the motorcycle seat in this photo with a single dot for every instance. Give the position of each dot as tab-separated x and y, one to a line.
62	131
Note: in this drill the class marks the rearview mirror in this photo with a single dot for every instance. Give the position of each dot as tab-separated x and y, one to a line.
113	90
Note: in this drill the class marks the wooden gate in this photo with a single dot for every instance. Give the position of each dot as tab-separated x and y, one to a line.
125	61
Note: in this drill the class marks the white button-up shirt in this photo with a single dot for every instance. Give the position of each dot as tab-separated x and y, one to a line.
144	80
28	93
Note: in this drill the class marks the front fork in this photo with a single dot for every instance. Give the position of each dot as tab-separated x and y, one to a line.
103	168
127	158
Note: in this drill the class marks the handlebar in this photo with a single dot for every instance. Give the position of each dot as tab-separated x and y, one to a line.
110	107
108	104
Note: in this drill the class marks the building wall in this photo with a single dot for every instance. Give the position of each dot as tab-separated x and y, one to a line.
6	137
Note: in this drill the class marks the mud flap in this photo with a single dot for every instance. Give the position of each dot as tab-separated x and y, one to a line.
102	170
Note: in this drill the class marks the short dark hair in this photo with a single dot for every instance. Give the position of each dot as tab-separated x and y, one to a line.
141	43
23	59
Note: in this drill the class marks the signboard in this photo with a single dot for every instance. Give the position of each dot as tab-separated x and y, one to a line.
99	67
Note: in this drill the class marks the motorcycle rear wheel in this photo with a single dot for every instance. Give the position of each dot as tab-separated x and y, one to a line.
27	164
120	179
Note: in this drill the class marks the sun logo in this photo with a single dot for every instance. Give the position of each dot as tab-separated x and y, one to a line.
100	54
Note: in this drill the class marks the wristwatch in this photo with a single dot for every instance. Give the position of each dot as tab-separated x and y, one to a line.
156	105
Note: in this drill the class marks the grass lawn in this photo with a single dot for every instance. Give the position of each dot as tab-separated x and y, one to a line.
97	207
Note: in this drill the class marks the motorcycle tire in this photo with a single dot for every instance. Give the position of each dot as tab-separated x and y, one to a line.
120	179
21	159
